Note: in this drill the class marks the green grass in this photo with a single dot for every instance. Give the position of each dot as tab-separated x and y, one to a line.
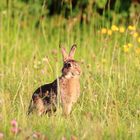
109	105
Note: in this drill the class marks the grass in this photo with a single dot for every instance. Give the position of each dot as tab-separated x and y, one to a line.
108	107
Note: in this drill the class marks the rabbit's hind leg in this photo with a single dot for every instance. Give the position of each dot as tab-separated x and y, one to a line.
39	105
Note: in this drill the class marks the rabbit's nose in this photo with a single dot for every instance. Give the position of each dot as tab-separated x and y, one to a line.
77	72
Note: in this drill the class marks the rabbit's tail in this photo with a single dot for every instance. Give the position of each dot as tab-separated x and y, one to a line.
30	108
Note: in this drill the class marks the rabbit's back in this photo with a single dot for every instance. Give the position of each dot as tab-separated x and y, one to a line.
46	92
44	98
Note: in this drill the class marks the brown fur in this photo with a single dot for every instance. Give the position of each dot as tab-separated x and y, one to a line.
44	99
70	91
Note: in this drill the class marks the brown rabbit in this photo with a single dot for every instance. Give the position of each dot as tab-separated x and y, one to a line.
44	99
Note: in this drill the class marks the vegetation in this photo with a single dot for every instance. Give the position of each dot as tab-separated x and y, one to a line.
109	53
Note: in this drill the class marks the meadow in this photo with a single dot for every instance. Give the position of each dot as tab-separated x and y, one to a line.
109	55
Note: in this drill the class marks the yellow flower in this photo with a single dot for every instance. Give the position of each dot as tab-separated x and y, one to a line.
109	32
126	48
139	39
137	50
135	34
114	28
104	31
130	45
121	29
131	28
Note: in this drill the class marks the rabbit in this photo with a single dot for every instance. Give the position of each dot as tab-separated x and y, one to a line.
44	99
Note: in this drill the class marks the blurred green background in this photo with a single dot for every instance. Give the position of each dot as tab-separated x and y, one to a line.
116	11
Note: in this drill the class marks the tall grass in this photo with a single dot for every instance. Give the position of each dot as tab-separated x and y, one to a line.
108	107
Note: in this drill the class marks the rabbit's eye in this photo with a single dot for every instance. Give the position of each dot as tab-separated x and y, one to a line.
67	65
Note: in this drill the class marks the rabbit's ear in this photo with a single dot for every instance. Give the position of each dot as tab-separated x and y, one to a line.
64	54
72	51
